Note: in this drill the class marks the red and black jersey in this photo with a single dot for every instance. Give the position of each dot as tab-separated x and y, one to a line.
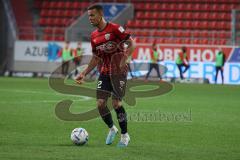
108	45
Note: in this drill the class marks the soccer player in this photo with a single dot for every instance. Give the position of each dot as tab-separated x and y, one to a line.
219	63
154	62
110	58
182	61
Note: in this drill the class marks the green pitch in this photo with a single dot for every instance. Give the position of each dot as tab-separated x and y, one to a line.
191	122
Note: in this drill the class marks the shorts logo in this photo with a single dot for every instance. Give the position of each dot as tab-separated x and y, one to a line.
107	36
122	83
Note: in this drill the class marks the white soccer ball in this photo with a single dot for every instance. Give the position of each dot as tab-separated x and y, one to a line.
79	136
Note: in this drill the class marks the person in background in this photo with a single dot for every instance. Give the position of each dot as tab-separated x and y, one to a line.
77	54
182	62
219	63
66	55
154	62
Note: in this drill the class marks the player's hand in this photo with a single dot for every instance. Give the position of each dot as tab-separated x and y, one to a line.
80	78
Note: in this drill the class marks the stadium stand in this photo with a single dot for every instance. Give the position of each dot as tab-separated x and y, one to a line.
163	21
24	19
183	21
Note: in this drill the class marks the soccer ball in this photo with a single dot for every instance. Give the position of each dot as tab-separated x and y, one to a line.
79	136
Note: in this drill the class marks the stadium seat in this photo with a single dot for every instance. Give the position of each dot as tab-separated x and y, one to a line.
60	5
52	5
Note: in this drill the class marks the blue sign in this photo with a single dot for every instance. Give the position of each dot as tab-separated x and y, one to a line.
112	10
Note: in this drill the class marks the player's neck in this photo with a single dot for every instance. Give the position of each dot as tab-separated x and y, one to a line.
102	25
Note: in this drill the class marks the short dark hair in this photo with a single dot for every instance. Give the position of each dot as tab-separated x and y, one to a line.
98	7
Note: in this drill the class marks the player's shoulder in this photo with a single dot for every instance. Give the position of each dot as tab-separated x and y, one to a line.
113	24
116	26
94	33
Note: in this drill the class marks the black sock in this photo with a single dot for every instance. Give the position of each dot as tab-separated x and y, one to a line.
122	119
106	116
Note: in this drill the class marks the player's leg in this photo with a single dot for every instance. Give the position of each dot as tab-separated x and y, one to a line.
122	120
156	66
222	75
76	62
216	75
119	86
63	68
149	71
104	89
186	68
180	70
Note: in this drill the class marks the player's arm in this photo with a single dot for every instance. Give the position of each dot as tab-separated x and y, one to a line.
92	64
131	46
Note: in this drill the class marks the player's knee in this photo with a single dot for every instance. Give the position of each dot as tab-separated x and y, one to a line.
116	103
101	103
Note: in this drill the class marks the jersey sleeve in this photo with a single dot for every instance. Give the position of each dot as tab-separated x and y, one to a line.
121	33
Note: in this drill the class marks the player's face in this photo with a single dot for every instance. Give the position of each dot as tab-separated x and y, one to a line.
94	17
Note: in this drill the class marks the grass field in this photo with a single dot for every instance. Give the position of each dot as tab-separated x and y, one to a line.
201	122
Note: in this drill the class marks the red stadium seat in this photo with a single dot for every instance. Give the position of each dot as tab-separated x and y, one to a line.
50	13
154	24
204	34
196	7
146	15
56	22
187	25
139	6
43	21
148	6
130	24
180	15
76	5
60	5
172	15
203	25
156	7
160	40
179	24
188	16
164	7
180	7
196	15
67	13
225	16
59	38
52	4
45	4
156	15
138	24
47	37
68	4
170	24
48	30
206	7
196	25
140	15
145	24
163	24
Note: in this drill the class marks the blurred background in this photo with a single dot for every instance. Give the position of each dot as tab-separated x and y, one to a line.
33	33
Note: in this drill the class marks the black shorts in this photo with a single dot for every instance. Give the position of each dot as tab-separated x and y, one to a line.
114	85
